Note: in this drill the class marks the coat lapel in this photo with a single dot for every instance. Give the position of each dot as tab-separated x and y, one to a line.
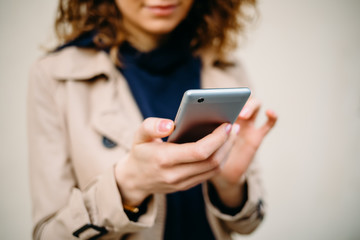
119	117
113	111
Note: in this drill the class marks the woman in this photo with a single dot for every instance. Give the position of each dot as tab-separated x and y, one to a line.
98	169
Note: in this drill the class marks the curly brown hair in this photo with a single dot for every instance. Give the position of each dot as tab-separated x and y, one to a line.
212	23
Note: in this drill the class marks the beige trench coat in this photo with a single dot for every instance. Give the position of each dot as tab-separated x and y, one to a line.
76	97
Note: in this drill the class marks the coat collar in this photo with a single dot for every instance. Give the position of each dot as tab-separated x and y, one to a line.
73	63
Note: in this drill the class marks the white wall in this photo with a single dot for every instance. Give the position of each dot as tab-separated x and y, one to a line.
24	26
304	57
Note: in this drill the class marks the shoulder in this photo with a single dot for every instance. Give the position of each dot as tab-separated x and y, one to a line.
73	63
230	72
234	67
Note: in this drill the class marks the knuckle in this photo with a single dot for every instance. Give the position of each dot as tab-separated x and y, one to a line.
217	170
146	122
148	125
163	162
200	153
170	179
214	163
185	186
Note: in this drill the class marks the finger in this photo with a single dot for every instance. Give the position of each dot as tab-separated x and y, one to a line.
183	171
222	153
195	180
250	109
272	118
200	150
153	128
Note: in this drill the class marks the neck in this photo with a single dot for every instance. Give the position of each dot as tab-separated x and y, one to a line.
141	40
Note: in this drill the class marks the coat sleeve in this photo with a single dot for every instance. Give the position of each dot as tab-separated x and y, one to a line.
250	216
60	207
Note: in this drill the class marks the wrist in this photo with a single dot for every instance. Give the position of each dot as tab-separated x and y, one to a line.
230	194
130	192
222	184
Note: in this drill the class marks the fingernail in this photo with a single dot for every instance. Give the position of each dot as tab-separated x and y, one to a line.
165	125
228	128
236	128
244	112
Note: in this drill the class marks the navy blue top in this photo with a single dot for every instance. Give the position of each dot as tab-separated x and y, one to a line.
158	80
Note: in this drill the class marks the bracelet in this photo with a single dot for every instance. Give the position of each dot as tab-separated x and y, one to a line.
131	209
134	213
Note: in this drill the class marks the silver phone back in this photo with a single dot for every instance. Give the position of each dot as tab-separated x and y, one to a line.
202	110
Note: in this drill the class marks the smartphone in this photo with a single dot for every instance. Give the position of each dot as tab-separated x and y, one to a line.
203	110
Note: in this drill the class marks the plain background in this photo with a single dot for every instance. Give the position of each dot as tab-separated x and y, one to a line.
304	58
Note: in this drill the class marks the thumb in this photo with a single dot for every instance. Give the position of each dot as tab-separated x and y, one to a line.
153	128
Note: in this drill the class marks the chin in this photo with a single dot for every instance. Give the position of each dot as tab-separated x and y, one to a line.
161	27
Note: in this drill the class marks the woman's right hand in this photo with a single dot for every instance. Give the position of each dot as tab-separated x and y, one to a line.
154	166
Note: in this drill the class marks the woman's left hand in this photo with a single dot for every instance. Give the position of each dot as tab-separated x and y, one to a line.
241	148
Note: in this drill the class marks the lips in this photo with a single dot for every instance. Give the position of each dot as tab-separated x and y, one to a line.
162	10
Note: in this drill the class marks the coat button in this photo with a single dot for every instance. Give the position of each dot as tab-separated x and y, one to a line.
260	209
108	143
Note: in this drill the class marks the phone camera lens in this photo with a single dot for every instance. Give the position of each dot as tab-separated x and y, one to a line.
200	100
